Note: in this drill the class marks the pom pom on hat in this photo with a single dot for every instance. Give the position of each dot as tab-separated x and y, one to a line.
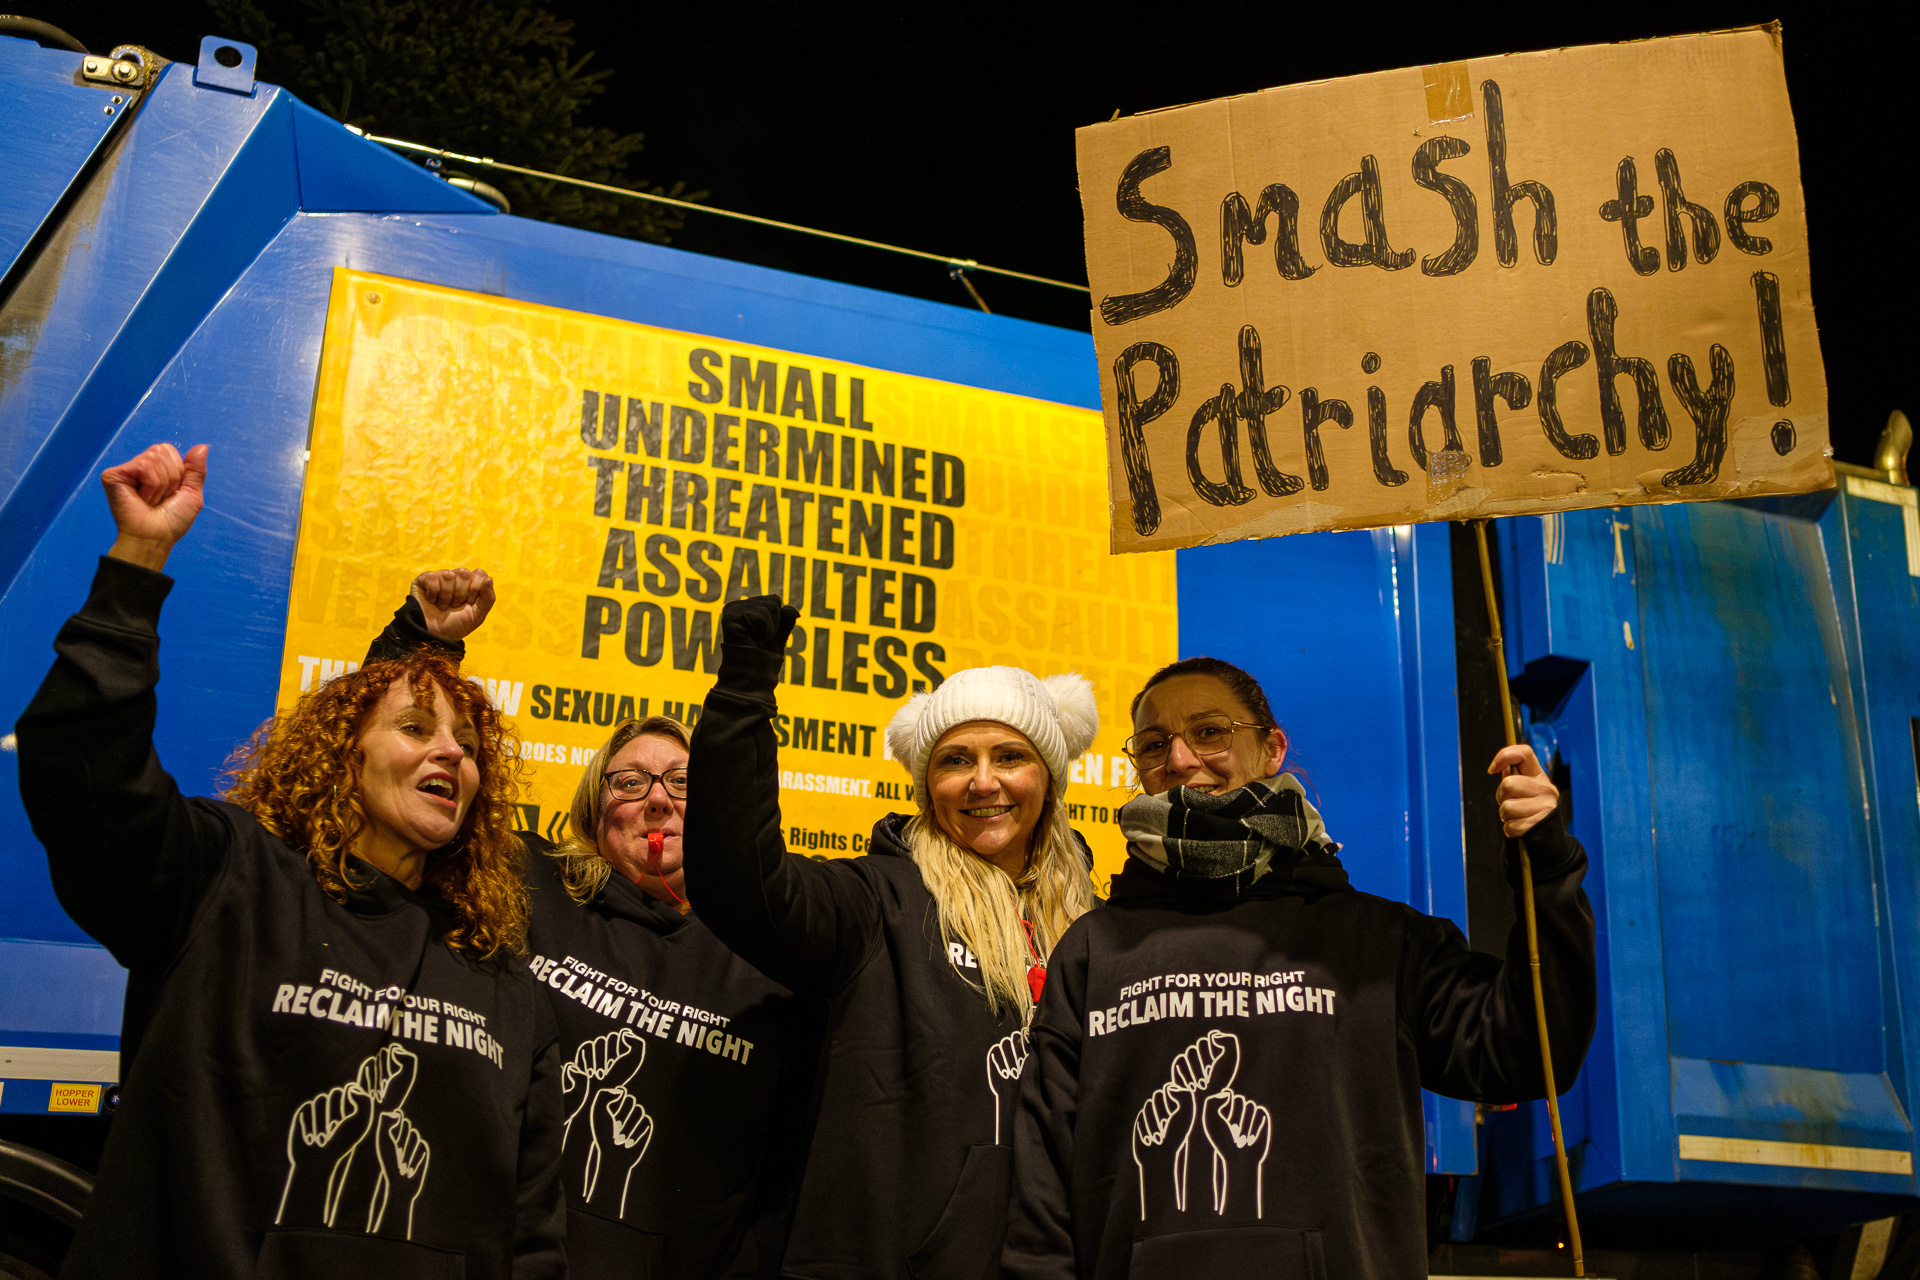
1079	714
1058	715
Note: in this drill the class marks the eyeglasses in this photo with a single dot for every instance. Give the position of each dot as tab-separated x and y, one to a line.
633	784
1206	737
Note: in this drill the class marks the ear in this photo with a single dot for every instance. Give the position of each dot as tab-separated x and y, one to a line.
1276	749
1072	693
905	726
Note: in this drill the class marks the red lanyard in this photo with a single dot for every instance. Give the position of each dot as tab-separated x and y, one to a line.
1036	971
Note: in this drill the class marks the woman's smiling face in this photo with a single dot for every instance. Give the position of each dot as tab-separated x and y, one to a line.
1172	708
989	789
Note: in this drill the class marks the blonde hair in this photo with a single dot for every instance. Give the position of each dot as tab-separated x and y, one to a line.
981	907
583	868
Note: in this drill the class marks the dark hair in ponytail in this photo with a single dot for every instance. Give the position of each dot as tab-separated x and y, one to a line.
1244	686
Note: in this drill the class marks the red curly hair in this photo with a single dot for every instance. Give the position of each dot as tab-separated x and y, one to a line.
299	776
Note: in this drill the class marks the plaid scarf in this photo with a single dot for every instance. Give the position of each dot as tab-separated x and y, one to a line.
1192	835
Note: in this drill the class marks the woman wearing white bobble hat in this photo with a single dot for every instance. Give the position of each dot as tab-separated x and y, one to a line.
928	952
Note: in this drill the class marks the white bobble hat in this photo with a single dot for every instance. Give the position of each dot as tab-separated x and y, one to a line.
1058	715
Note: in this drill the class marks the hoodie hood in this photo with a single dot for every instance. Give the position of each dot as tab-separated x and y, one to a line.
890	836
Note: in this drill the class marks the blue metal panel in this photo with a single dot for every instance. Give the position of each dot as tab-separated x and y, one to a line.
1351	635
342	172
1758	800
59	996
1788	1104
1700	671
203	181
54	124
1873	549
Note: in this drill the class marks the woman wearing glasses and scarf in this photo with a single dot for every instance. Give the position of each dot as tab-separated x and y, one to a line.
684	1071
1228	1060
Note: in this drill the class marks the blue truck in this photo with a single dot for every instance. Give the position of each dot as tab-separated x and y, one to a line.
1728	694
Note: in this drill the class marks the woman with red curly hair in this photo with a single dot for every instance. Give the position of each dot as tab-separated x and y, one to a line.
334	1064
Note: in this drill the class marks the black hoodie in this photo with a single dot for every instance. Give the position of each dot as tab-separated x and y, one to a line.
1230	1085
653	1008
684	1070
907	1174
321	1088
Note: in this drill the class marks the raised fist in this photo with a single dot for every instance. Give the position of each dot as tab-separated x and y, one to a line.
1005	1059
1209	1064
613	1058
1004	1062
321	1141
1162	1134
402	1153
760	621
622	1130
154	498
387	1077
604	1062
1240	1132
454	601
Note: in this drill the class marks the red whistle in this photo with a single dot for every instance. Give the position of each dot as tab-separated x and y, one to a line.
1036	979
656	843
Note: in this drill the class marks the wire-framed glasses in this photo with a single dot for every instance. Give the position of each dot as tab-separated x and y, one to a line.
1206	737
632	784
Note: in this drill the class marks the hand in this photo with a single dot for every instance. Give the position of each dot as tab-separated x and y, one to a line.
609	1060
403	1154
622	1130
612	1059
154	498
1525	797
321	1140
455	601
1161	1133
387	1077
1208	1065
1240	1131
760	621
1006	1058
1004	1062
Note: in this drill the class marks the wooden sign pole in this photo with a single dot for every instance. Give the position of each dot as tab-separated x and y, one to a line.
1498	647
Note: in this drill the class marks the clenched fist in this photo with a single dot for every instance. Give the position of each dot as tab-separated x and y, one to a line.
154	498
454	601
760	621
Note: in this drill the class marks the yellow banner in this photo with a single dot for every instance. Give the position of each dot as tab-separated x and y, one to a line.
621	482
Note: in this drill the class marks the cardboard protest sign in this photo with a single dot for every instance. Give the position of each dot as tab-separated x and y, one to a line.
1517	284
622	482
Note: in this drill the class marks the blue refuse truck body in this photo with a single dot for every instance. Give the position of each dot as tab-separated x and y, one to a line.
1729	693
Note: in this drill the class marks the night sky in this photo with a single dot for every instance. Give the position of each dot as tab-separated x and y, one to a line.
950	128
